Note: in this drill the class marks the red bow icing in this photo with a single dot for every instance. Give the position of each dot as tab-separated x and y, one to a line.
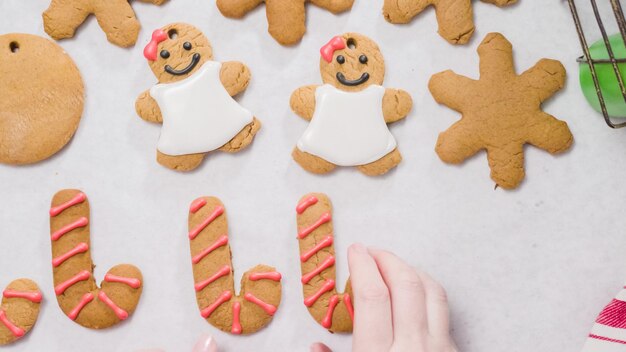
329	49
150	51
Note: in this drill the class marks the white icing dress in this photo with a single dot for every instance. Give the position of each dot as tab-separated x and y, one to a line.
198	113
348	128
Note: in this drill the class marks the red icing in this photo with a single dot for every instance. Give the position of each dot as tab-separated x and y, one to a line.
348	303
82	222
328	262
321	221
328	285
326	242
16	331
80	248
236	329
223	298
273	275
221	241
87	297
34	297
329	49
327	322
81	276
268	308
119	312
225	270
132	282
78	198
305	204
150	51
196	205
219	210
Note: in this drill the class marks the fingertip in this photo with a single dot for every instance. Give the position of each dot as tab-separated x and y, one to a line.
319	347
205	343
357	248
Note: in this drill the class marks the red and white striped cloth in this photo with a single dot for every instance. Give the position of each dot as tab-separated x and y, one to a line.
608	334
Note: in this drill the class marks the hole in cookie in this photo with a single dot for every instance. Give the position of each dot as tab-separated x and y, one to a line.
172	33
351	43
14	46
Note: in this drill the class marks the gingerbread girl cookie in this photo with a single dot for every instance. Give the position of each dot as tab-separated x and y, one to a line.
350	112
213	274
115	17
193	99
501	111
75	286
286	18
21	301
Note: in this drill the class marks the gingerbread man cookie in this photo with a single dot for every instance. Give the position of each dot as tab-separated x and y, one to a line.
286	18
455	17
115	17
501	111
329	308
41	101
213	274
19	310
350	112
75	286
193	99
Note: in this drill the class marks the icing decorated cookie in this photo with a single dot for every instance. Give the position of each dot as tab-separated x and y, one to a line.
213	275
115	17
78	295
193	99
455	17
349	113
329	308
286	18
501	111
42	98
19	310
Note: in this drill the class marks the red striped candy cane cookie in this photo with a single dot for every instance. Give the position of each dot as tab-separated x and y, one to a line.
19	310
77	293
260	293
331	309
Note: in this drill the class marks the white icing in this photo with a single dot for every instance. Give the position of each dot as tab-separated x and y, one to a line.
198	113
348	128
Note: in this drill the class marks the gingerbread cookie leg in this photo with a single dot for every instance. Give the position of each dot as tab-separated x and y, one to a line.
182	162
453	146
117	19
334	6
383	165
550	134
507	164
77	293
286	20
212	267
329	308
243	138
312	163
19	310
62	18
237	8
403	11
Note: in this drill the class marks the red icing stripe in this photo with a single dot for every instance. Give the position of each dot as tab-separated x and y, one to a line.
321	221
80	248
273	275
82	222
225	270
613	315
327	322
598	337
223	298
130	281
328	285
327	263
34	297
305	204
221	241
81	276
268	308
87	297
196	205
119	312
217	212
348	303
16	331
326	242
78	198
236	329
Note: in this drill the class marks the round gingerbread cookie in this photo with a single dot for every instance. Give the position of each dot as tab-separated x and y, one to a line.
42	98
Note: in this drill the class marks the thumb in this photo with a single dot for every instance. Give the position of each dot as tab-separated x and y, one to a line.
205	343
320	347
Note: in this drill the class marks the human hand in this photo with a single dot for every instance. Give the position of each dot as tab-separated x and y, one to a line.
397	308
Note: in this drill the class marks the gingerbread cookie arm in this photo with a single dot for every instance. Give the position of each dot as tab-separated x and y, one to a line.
451	89
77	293
61	19
237	8
147	108
403	11
117	20
545	78
286	20
396	104
154	2
235	77
329	308
19	310
455	19
500	2
458	143
302	101
334	6
211	261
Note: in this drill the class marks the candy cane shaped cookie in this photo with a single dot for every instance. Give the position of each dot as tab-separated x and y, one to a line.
19	310
331	309
213	272
74	284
